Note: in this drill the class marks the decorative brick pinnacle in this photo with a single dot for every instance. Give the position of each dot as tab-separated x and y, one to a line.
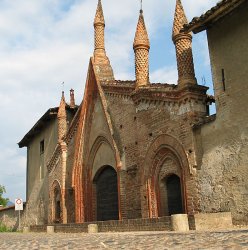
99	17
141	47
183	44
61	112
72	99
62	123
141	36
179	19
99	25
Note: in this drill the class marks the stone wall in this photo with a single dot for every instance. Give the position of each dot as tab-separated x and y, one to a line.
10	218
213	221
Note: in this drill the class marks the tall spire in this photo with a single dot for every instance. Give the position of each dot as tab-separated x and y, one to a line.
179	18
99	17
62	123
141	48
99	25
183	44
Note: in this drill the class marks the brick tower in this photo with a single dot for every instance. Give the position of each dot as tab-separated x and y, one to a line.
141	48
183	44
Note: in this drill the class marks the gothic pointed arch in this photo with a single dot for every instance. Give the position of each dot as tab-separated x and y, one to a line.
165	157
101	174
105	187
56	202
93	89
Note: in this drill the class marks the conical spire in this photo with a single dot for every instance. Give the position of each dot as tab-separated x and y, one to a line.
183	44
179	18
62	123
141	36
141	48
104	72
99	17
99	25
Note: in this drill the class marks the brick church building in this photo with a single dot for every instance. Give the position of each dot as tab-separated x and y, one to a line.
136	149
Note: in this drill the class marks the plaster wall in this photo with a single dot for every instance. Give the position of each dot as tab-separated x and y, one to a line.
228	39
37	175
224	160
99	126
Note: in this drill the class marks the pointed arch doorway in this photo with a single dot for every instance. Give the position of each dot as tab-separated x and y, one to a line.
106	194
57	214
172	185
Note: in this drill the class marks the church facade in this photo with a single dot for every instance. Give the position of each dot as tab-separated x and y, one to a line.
136	149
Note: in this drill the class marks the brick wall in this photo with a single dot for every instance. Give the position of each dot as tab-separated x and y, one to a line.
137	126
156	224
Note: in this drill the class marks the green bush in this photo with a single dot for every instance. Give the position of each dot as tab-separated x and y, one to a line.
4	228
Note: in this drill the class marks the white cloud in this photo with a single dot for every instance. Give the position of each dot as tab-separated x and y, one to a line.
164	75
46	42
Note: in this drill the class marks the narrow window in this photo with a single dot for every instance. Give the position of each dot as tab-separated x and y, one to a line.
42	147
223	79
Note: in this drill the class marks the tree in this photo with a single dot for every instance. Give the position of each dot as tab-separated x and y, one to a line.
3	201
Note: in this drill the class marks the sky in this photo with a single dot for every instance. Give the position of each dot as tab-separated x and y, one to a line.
46	42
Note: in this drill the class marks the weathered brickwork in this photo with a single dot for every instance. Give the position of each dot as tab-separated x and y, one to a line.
145	150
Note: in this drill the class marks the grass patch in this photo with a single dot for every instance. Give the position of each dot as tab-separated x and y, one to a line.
4	228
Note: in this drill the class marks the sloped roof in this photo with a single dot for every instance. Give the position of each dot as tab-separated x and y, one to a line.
40	124
220	10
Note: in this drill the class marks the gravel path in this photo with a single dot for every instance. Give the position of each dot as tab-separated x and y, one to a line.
235	239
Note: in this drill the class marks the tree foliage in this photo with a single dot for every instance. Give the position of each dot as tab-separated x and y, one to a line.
3	201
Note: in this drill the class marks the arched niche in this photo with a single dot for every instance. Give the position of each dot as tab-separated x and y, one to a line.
57	214
104	156
101	160
165	157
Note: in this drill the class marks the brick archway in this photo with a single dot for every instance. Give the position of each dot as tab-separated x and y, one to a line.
105	194
101	154
56	203
163	148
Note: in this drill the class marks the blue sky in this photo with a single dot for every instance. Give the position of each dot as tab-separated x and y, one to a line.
47	42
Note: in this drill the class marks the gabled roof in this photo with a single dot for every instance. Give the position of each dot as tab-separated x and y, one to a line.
40	124
207	19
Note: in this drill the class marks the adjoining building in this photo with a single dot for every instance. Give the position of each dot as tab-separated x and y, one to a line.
136	149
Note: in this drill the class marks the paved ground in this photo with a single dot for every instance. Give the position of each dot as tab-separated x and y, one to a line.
236	239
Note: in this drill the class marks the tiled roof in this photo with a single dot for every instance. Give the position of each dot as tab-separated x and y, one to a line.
221	9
